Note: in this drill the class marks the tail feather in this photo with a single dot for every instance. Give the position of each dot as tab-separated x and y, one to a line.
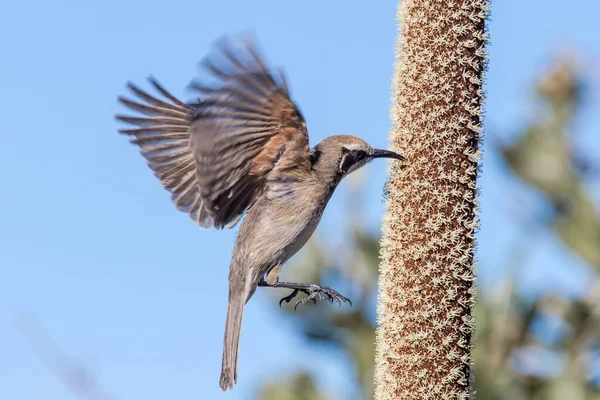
231	341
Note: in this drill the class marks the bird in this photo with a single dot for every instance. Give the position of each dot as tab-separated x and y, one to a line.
241	147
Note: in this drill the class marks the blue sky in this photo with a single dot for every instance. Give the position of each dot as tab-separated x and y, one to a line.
90	241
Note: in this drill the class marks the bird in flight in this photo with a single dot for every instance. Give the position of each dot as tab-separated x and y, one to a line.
242	147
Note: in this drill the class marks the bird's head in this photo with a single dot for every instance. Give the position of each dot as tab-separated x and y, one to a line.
337	156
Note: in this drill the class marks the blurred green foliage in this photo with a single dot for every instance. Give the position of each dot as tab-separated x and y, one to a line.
513	359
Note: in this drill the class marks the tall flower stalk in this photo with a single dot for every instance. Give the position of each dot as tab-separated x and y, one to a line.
427	280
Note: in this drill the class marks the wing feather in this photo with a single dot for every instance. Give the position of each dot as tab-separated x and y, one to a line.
238	121
163	139
217	155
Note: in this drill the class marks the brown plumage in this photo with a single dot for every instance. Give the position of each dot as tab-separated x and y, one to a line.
216	155
243	147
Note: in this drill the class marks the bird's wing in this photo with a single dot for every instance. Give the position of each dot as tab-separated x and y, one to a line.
245	133
217	155
162	135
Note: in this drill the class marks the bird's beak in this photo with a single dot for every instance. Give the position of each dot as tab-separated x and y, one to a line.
378	153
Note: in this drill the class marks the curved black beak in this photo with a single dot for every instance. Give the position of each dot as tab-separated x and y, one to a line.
378	153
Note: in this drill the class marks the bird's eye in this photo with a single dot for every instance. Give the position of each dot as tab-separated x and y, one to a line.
360	154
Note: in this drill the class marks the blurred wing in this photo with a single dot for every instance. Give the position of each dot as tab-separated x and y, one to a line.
246	132
163	139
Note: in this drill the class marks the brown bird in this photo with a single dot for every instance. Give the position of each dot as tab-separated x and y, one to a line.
242	147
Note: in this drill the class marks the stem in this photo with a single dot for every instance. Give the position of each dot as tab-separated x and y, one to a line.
427	282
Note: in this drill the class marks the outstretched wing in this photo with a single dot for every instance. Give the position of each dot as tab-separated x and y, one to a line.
162	134
243	133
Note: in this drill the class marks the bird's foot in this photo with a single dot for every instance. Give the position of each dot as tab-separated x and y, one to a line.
316	292
312	291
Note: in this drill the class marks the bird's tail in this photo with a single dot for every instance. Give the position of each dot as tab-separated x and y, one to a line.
233	326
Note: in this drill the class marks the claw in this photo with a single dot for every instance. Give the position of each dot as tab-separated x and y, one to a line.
307	299
288	298
313	292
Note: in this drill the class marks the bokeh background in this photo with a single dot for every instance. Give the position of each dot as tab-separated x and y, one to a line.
106	290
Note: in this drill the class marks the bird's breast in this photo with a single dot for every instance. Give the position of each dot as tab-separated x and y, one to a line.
275	230
302	235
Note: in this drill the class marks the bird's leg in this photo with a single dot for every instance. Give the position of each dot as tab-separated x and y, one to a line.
311	290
